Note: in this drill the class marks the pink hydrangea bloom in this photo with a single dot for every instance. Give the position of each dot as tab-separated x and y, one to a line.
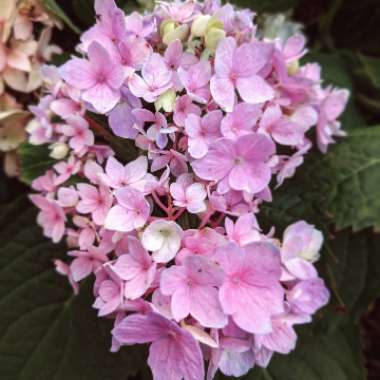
51	217
244	231
77	129
133	175
188	194
108	291
99	78
241	121
252	293
173	354
131	211
195	80
156	79
307	296
193	288
136	268
86	262
96	201
202	132
183	108
240	164
166	221
238	67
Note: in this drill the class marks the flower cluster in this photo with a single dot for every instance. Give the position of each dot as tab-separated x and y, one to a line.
171	234
21	58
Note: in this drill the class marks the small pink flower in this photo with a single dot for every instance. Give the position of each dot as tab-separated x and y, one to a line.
196	80
108	289
332	107
288	130
86	262
156	79
240	164
183	108
244	231
67	197
193	288
51	217
202	132
136	268
96	201
133	175
131	212
134	52
158	129
238	67
99	78
188	194
307	296
64	269
252	293
174	354
77	129
66	169
240	121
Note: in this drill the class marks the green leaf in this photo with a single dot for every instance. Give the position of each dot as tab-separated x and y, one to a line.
45	331
54	8
352	266
34	161
371	67
342	185
351	172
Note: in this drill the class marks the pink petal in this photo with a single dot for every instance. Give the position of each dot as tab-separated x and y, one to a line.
223	92
119	219
254	89
78	73
81	267
102	97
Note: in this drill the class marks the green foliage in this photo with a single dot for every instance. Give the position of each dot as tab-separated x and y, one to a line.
341	185
34	161
45	331
56	10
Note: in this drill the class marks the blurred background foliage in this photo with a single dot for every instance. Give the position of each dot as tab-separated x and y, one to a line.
46	333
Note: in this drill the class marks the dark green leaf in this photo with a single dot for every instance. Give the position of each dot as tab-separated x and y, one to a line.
342	185
45	331
352	266
371	67
54	8
34	161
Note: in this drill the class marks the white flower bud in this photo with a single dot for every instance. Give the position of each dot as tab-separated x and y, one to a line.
59	150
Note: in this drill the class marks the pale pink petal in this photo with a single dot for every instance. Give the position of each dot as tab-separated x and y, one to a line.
223	92
254	89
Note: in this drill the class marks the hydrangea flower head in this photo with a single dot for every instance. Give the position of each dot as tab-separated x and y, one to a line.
162	204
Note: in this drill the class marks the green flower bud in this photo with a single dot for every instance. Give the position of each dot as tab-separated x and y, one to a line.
199	26
166	101
213	38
